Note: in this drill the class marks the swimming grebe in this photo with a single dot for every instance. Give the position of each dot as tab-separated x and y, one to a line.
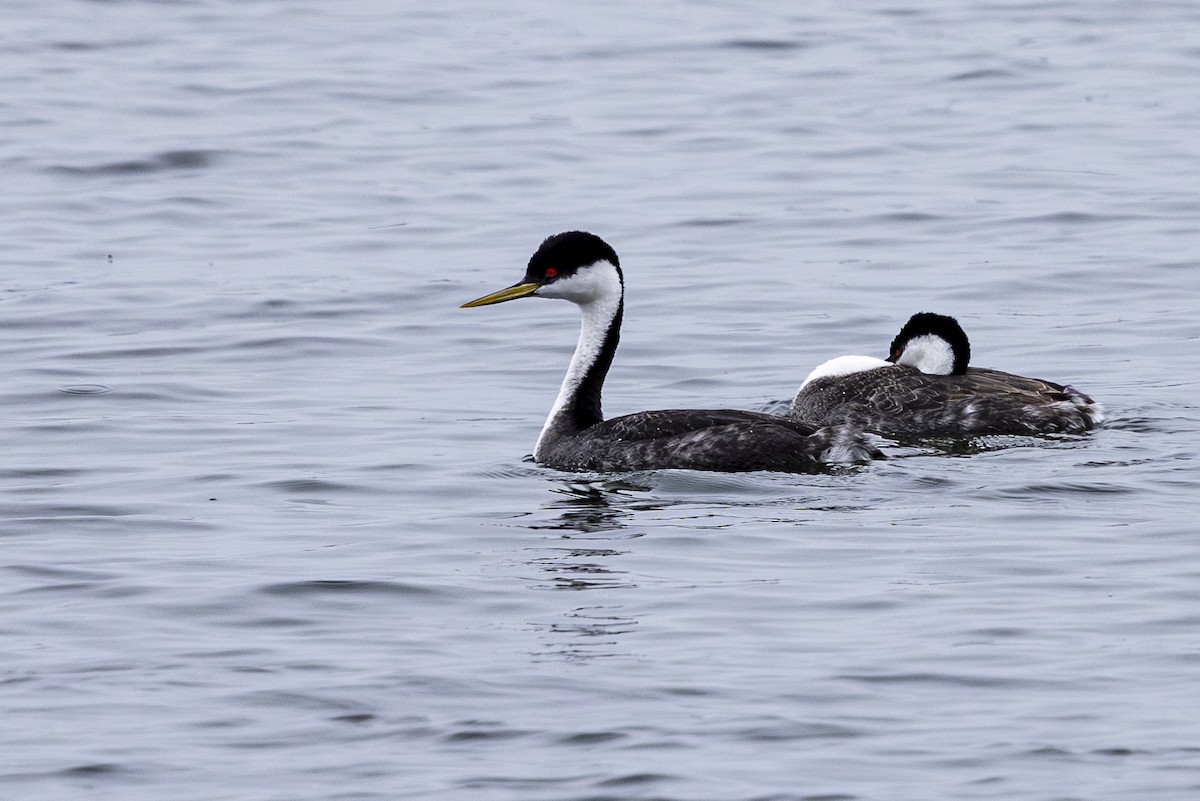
925	388
584	269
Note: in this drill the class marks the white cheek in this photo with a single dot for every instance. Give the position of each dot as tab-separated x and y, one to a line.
595	282
929	354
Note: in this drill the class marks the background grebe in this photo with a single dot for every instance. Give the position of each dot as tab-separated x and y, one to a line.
925	388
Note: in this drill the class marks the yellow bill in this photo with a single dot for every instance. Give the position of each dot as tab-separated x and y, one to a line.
511	293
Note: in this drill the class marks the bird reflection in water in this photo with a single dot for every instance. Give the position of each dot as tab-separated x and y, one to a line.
597	510
594	507
586	511
588	632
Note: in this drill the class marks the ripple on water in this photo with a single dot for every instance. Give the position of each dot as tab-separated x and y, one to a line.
142	352
317	486
165	161
587	738
65	511
1033	491
953	680
470	731
632	780
791	730
327	588
43	473
765	45
577	570
94	769
86	389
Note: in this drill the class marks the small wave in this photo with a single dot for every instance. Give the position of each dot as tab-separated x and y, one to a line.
476	731
86	389
636	780
51	511
42	473
93	769
308	486
147	352
319	587
1030	491
944	680
76	575
591	737
1072	218
167	161
786	731
777	45
982	74
711	222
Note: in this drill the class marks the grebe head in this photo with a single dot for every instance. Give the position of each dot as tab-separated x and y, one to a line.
932	343
574	265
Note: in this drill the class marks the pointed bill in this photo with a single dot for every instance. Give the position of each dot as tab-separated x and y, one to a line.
511	293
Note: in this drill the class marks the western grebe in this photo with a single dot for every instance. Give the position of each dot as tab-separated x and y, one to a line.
583	268
932	343
925	388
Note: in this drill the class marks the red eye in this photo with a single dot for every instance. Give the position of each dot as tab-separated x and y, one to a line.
551	272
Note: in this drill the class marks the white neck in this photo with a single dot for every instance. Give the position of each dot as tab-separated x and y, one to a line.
929	354
597	292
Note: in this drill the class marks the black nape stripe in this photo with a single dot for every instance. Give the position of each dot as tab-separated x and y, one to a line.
586	410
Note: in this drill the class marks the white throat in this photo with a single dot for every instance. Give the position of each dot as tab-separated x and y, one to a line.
929	354
597	292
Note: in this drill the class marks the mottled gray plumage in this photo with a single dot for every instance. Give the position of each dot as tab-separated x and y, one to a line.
726	440
903	401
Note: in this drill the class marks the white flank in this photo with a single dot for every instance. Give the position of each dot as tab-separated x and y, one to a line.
844	365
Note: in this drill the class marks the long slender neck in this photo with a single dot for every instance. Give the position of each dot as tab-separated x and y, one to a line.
578	404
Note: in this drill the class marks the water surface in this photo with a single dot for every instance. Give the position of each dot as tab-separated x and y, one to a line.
268	527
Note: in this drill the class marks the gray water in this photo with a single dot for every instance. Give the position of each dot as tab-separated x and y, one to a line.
269	531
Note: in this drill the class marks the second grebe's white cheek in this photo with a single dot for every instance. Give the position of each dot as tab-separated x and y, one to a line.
844	365
596	282
929	354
